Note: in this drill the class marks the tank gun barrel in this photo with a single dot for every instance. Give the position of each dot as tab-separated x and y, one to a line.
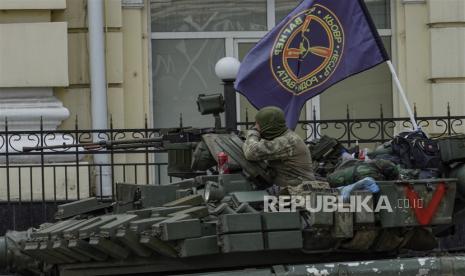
172	135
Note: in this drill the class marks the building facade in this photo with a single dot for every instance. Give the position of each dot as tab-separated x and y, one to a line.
161	54
45	57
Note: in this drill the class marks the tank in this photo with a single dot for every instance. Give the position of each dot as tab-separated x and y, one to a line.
213	223
231	224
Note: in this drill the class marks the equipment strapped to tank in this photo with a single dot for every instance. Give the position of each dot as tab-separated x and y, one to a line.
166	229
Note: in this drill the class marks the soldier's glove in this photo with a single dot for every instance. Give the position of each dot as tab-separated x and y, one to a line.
254	127
253	132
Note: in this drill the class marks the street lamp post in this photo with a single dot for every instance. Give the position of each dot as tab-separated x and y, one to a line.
226	69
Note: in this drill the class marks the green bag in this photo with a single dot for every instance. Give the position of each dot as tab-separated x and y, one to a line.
354	170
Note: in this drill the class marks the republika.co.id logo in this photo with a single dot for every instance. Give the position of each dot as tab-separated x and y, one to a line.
307	50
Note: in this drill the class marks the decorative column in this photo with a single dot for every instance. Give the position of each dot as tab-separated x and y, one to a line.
24	108
446	26
33	64
34	60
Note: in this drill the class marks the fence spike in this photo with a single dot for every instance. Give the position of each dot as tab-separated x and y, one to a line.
111	121
6	134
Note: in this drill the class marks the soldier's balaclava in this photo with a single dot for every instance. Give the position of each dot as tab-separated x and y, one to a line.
271	121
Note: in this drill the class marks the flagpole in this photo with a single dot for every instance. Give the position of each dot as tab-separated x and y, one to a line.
402	94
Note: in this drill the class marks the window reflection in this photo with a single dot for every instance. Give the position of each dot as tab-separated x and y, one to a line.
208	15
284	7
182	69
379	10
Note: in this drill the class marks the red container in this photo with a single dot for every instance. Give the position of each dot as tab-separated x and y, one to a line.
223	163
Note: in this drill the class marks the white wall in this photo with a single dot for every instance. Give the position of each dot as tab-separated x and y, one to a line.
33	55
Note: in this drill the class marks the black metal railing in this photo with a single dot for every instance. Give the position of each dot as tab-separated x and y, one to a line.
350	130
33	183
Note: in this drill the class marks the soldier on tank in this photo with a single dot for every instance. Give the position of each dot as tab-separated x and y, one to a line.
284	150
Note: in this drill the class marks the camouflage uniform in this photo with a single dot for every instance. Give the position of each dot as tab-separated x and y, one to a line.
287	155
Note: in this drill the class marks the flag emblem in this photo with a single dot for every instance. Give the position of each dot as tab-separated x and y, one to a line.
318	44
307	50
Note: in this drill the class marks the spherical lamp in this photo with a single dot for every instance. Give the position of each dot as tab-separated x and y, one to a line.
226	68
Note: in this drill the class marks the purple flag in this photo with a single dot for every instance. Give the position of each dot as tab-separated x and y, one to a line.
320	43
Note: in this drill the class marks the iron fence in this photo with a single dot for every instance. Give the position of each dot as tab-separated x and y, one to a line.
350	130
33	183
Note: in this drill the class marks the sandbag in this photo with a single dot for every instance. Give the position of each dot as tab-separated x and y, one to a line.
384	151
354	170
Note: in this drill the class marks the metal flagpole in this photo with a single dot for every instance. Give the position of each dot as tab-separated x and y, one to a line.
402	94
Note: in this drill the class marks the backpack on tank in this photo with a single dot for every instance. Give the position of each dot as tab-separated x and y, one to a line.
416	150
